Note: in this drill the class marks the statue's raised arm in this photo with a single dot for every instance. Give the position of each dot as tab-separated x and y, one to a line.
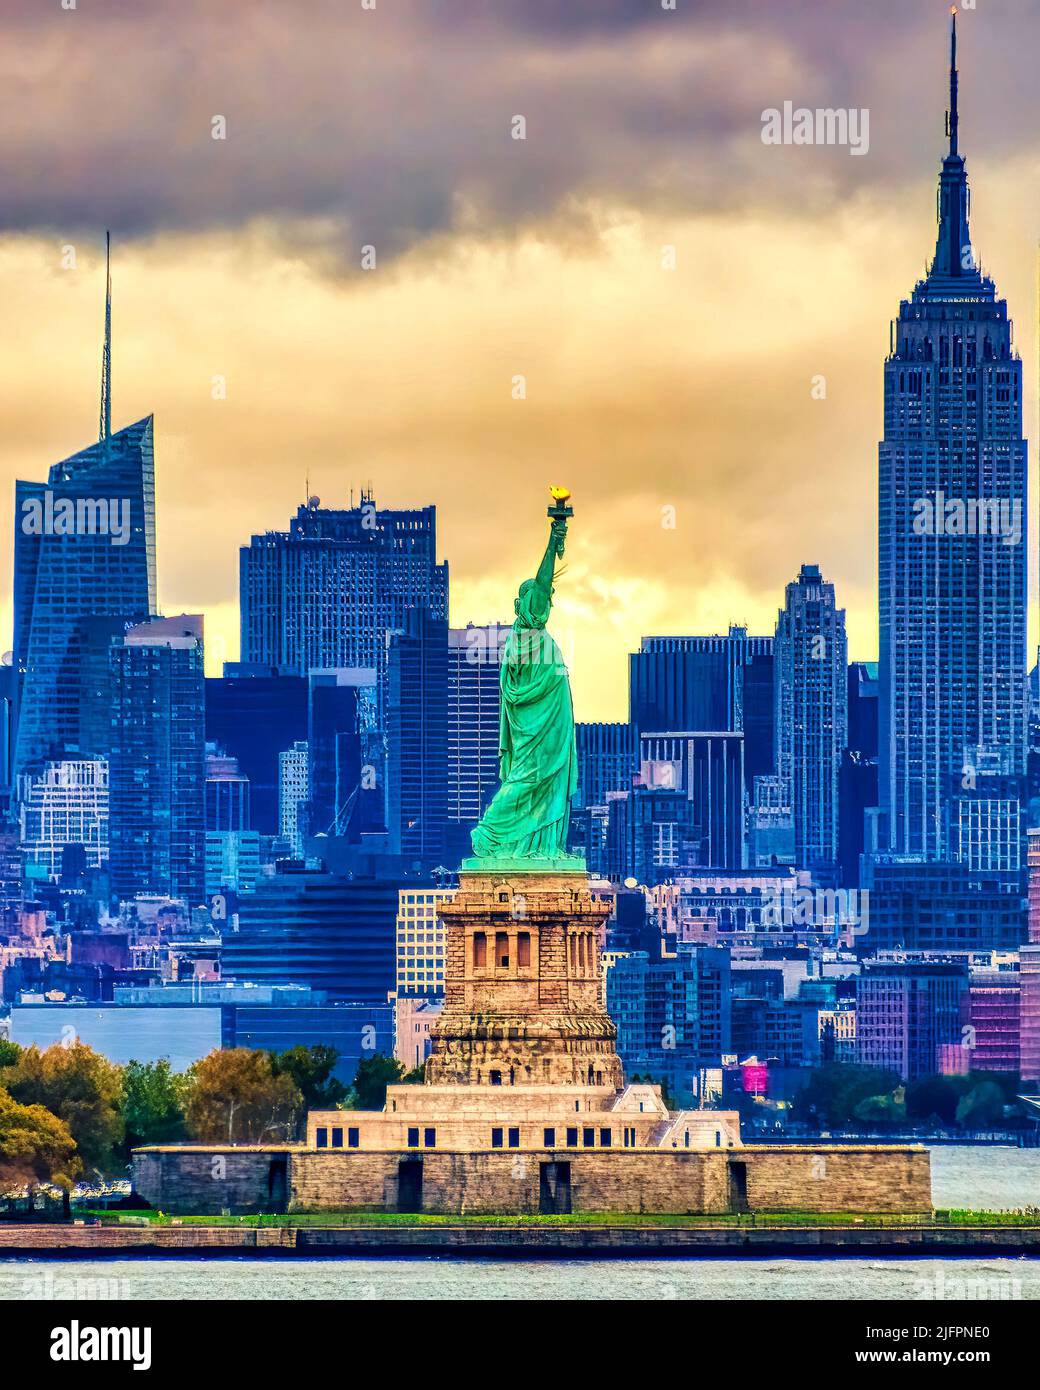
526	824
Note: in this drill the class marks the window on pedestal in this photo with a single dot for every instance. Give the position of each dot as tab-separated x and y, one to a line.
523	948
502	950
479	949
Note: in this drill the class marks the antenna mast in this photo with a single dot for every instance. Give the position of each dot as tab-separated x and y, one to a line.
105	425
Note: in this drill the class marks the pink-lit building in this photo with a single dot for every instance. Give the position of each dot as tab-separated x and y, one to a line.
1034	886
994	1021
1029	1015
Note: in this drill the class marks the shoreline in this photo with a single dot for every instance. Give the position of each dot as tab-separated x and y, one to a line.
478	1240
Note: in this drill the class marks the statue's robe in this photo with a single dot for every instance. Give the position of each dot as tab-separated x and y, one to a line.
530	812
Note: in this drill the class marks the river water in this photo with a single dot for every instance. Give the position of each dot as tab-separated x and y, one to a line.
982	1178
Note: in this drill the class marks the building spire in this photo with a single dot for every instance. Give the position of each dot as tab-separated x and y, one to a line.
951	117
105	430
954	259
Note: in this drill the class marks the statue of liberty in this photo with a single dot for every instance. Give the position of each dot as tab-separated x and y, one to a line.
525	826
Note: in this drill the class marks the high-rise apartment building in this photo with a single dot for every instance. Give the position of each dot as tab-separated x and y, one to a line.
63	803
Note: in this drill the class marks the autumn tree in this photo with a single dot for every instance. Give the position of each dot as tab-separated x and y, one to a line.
81	1088
235	1096
35	1147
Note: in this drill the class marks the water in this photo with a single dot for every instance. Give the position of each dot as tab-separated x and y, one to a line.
972	1178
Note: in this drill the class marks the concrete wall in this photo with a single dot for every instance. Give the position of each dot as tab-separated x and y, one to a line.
209	1181
874	1179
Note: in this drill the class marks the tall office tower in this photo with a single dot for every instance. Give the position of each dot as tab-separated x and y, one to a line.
255	714
951	540
227	792
293	794
324	594
810	657
707	685
608	760
333	933
417	739
344	755
474	733
84	545
8	718
157	760
858	781
63	803
708	771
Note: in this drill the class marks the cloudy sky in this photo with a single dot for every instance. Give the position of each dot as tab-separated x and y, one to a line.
662	387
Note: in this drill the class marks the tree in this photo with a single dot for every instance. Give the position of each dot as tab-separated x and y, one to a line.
311	1069
982	1107
371	1079
236	1097
415	1077
881	1112
9	1054
80	1087
833	1091
934	1099
152	1104
35	1147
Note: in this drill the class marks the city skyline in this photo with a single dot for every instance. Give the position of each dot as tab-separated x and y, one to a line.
609	341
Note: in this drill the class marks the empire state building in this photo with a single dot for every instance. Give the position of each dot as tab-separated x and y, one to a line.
952	556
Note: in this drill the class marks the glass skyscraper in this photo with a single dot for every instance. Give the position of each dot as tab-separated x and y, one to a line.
952	546
324	594
84	546
810	675
157	760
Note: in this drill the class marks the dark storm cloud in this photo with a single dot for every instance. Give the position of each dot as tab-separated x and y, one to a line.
390	125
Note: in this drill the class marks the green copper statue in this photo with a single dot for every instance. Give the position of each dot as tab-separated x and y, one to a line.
525	827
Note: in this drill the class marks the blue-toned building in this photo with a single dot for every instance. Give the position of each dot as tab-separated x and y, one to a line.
84	546
710	685
672	1015
810	678
334	933
952	538
474	728
157	760
324	594
255	714
417	739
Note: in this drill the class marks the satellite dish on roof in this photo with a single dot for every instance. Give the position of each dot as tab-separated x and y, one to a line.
7	659
314	503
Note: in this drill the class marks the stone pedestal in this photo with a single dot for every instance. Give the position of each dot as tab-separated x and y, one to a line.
524	994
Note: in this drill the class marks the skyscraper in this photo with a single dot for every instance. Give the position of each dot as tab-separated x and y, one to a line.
417	769
810	657
84	546
718	684
952	543
324	594
474	714
157	760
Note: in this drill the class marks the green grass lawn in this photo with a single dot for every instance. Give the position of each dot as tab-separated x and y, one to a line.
755	1219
